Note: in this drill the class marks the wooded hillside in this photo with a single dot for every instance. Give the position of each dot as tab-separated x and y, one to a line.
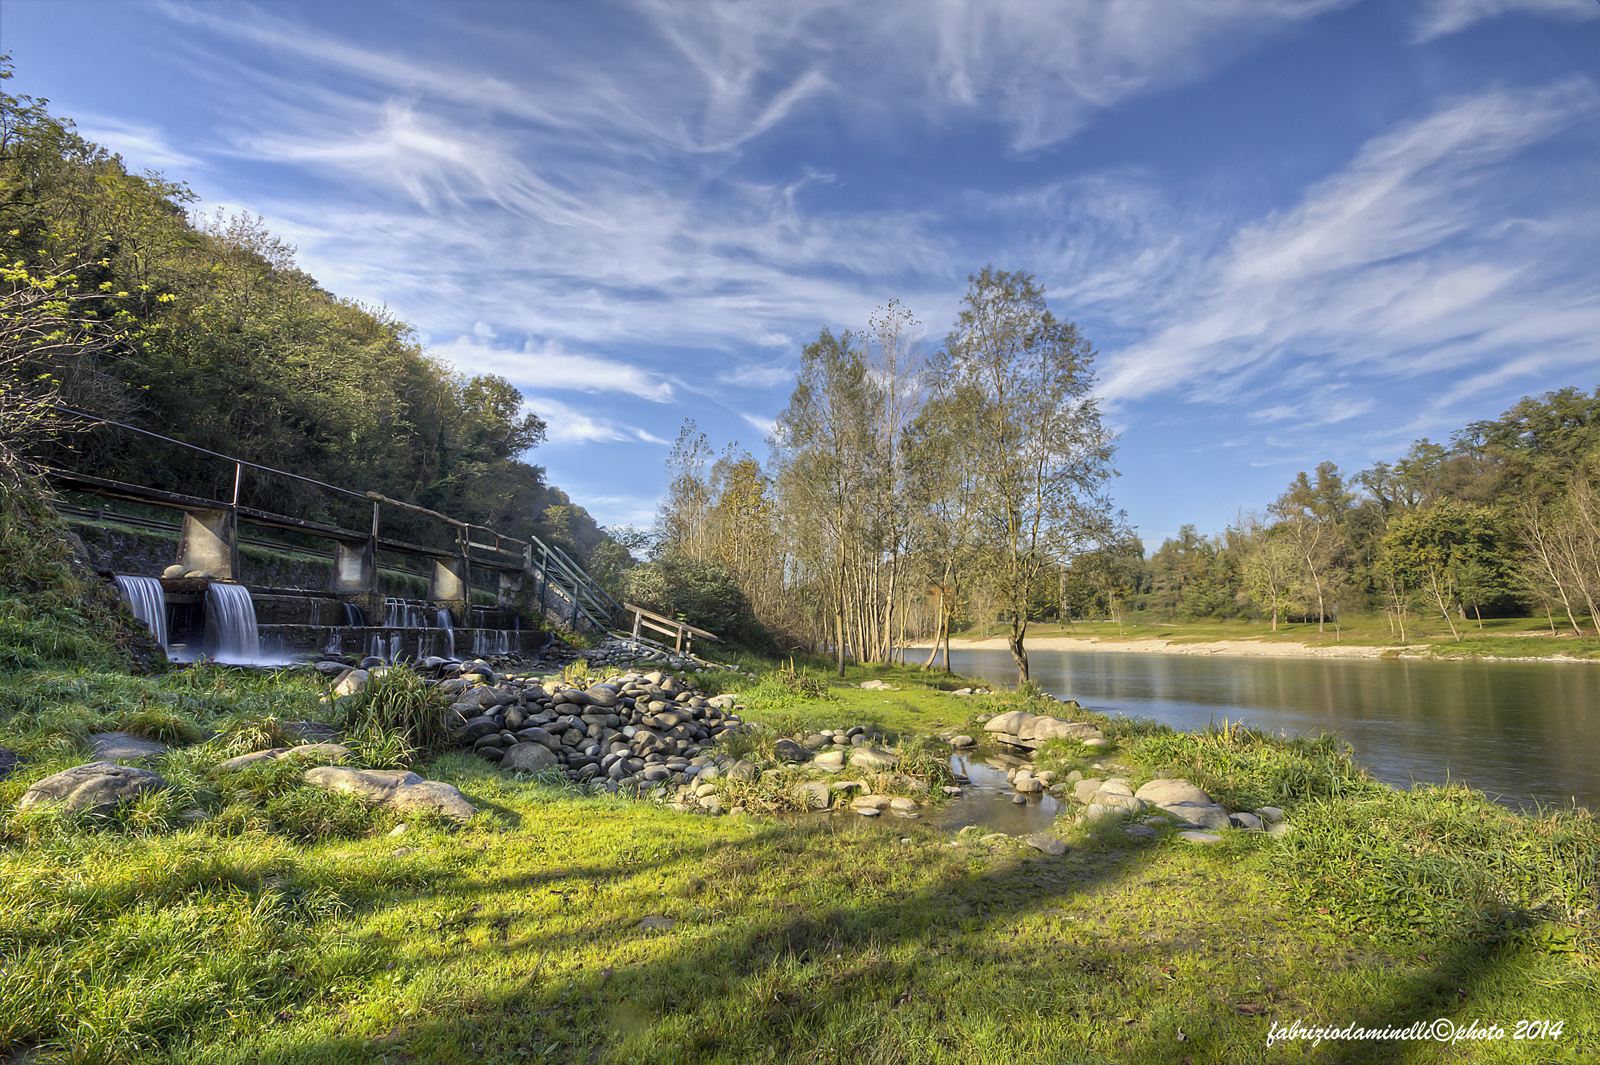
121	302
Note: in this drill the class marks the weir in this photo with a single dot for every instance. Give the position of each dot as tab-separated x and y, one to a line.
213	606
148	603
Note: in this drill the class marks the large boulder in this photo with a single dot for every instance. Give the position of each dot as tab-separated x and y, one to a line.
1163	792
99	787
397	788
306	752
872	758
124	748
1021	729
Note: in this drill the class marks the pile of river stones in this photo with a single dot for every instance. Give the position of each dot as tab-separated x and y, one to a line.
629	730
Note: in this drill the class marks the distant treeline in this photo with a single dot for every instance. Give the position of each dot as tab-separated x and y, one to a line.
121	302
1502	521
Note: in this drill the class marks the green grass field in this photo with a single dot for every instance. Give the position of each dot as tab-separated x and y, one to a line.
282	924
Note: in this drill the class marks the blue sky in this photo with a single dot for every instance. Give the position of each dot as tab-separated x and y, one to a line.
1294	231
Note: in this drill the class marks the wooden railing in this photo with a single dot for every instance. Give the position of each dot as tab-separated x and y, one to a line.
682	632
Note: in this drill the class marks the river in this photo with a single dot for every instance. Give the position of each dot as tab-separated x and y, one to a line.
1525	733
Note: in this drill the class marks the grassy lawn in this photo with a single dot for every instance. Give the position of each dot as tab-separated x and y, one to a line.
283	924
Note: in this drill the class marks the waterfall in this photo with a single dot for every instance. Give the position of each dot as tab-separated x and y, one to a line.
353	617
233	617
148	603
491	642
442	619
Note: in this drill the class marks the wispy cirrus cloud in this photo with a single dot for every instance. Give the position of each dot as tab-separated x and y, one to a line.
1405	263
1440	18
547	366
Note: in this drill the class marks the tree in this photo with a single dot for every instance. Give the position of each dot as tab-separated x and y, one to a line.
1268	567
1435	548
1039	457
1309	518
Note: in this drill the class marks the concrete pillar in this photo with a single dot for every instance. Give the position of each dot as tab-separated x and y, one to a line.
448	588
355	569
208	543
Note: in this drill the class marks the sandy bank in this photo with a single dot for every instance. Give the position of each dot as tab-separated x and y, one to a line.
1245	648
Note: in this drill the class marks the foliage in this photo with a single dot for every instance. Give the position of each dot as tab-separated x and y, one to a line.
703	594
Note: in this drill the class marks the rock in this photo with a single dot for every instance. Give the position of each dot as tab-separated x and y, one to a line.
869	811
1022	729
787	750
1140	832
1028	785
1270	814
814	795
1199	837
1282	828
1124	802
172	572
352	683
1043	841
8	763
473	729
963	740
877	686
1163	792
1084	790
657	924
306	752
743	771
1097	743
874	802
1100	809
867	757
1206	816
830	760
528	757
398	788
903	805
1248	822
124	749
98	787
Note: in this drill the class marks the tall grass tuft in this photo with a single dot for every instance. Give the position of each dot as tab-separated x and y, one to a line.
396	700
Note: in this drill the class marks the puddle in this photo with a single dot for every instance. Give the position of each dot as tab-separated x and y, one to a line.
987	801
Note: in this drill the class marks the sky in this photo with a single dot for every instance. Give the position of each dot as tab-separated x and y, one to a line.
1295	231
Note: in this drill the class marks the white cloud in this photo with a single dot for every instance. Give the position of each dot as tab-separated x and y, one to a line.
1399	265
568	425
547	366
1440	18
142	147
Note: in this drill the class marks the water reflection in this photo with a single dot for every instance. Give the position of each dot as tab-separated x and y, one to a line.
1524	732
989	800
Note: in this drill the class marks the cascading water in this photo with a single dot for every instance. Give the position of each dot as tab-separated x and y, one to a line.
353	617
442	619
148	603
233	618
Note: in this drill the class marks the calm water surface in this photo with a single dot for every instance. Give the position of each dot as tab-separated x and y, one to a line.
1523	732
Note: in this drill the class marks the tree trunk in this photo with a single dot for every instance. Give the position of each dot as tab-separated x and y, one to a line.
1019	654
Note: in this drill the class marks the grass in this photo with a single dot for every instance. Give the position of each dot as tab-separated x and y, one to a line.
244	917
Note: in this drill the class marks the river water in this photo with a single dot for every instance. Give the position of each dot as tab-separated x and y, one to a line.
1525	733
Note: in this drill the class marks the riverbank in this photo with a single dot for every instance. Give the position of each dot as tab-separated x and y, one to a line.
1250	648
1502	640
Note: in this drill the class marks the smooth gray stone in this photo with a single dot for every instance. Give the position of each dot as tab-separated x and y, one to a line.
399	788
1043	841
125	749
98	787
